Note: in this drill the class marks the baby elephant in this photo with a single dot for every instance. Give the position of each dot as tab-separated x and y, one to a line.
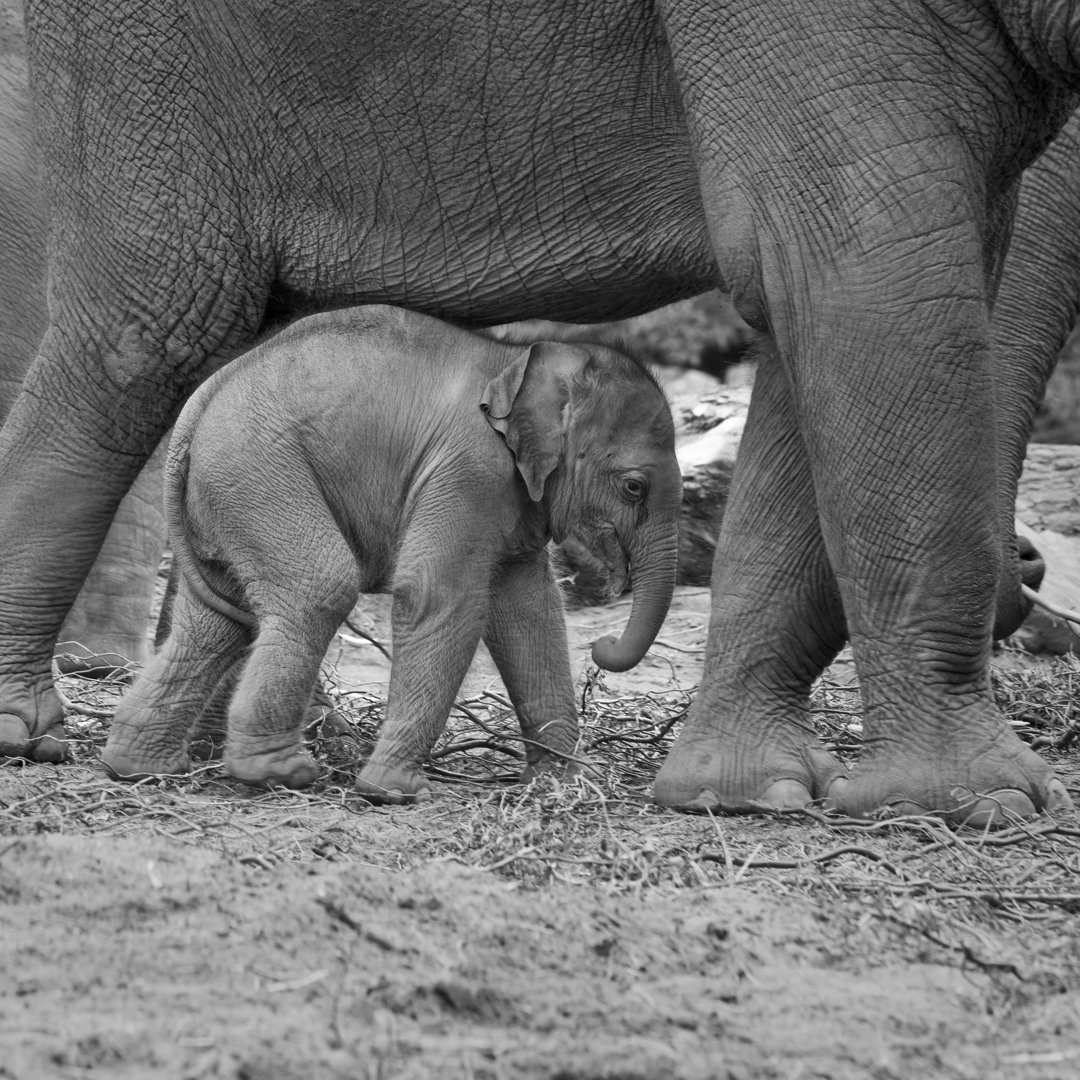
375	449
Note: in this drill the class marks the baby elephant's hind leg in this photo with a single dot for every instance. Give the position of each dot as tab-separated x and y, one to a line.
210	731
150	731
265	743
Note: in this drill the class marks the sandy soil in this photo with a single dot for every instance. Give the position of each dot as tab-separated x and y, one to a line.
194	929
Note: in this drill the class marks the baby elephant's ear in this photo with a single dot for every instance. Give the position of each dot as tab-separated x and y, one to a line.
528	403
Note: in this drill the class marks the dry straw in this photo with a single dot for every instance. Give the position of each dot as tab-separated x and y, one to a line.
600	830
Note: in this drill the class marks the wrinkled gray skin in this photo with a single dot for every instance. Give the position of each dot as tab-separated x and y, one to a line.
849	174
107	626
328	462
1038	303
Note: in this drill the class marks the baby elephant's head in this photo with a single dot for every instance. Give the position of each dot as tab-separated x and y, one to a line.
592	436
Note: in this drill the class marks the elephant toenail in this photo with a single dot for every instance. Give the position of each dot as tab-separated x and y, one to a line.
834	793
705	800
786	794
996	809
1058	799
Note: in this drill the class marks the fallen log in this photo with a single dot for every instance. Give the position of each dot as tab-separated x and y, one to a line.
1048	513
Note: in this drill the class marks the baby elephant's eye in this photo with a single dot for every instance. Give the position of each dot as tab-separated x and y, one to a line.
634	488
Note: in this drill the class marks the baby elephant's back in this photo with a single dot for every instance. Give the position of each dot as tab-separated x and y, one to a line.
363	387
385	357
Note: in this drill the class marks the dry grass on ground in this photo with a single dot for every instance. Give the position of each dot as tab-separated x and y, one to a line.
193	928
600	831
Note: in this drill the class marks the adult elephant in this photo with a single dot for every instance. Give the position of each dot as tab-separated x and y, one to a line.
849	175
107	627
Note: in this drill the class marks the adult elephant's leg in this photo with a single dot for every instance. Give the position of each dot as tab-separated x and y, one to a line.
776	623
94	404
1037	305
60	483
159	270
868	248
107	628
896	402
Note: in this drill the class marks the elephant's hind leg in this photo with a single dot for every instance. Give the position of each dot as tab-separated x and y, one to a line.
147	296
152	726
776	624
210	731
106	628
298	617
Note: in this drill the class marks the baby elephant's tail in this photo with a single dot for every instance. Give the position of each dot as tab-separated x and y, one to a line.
176	474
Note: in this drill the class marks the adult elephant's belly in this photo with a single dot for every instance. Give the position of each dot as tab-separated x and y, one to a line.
559	183
583	247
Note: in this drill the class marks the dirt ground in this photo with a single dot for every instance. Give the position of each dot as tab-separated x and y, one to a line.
190	928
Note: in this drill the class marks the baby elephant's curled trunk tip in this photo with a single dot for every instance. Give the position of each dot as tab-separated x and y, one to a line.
654	573
608	653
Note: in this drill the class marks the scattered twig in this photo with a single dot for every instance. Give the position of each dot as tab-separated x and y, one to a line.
365	636
1040	601
965	950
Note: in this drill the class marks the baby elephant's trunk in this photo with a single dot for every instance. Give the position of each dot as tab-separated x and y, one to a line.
653	564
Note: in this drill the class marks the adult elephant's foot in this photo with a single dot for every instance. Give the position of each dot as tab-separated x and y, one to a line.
290	767
977	781
31	720
747	768
392	785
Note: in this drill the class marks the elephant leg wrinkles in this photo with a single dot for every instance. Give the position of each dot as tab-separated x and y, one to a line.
526	636
106	629
1035	310
438	617
265	743
778	619
106	434
156	723
776	624
299	612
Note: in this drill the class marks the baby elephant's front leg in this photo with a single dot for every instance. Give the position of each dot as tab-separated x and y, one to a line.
438	617
526	636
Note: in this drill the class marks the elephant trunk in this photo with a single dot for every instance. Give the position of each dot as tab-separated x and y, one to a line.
653	565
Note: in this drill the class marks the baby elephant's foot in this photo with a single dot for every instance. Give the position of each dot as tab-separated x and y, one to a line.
290	768
393	785
127	764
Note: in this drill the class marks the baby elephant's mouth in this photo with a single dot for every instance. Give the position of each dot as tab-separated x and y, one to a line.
603	563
